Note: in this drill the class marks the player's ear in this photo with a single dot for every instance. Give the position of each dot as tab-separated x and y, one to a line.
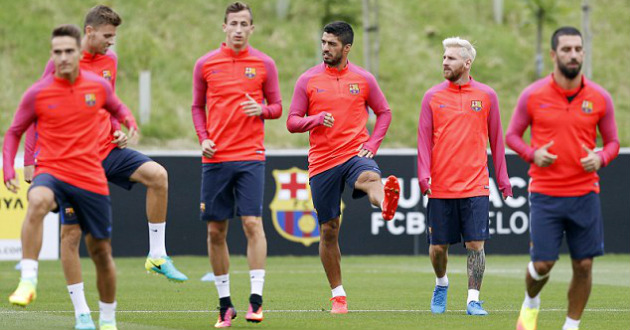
224	26
346	48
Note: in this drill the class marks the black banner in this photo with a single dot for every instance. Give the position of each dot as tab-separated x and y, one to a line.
291	226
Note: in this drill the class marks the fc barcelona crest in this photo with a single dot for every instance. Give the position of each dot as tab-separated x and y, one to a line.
90	100
476	106
250	73
354	89
69	212
587	107
107	75
292	210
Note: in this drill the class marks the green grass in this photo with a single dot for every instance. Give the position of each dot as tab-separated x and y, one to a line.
167	37
296	295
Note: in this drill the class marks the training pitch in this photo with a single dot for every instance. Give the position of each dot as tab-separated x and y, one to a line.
383	293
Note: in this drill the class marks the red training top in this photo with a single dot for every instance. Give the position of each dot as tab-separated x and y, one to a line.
455	124
544	106
103	65
67	116
345	94
220	81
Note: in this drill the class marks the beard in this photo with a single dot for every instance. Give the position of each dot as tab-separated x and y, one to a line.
569	73
333	61
454	75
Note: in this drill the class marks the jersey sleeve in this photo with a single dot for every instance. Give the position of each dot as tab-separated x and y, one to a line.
24	117
518	124
296	122
377	102
495	134
271	91
30	140
608	130
198	108
425	142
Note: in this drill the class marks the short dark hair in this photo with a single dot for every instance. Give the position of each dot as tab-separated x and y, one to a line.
238	7
563	31
101	15
341	30
67	30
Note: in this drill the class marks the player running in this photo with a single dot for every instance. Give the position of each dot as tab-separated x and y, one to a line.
231	83
330	101
458	117
68	177
564	111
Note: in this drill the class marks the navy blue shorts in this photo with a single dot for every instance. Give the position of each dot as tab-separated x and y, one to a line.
91	211
228	183
120	164
450	220
580	218
327	187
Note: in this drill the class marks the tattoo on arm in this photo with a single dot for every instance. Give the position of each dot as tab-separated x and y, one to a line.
476	268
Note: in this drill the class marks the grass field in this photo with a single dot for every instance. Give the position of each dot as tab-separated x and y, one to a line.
383	293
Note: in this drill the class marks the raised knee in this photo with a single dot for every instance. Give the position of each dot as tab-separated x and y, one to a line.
40	201
160	176
157	176
369	177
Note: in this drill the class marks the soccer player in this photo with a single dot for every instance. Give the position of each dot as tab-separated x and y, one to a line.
123	167
564	111
68	175
457	118
229	86
330	101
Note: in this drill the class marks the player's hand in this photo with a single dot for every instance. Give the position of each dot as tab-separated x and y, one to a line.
329	120
364	152
120	139
251	107
13	185
207	148
29	170
427	192
592	162
542	157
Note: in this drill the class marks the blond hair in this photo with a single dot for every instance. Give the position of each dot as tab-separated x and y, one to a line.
467	50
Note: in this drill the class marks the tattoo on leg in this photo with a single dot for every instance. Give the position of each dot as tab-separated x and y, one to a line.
476	268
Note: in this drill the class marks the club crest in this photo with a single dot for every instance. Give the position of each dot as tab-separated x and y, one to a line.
107	75
476	105
587	107
90	100
292	210
250	72
354	89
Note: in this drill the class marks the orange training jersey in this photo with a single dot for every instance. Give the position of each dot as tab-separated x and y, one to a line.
104	65
67	116
456	122
221	80
570	125
346	95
